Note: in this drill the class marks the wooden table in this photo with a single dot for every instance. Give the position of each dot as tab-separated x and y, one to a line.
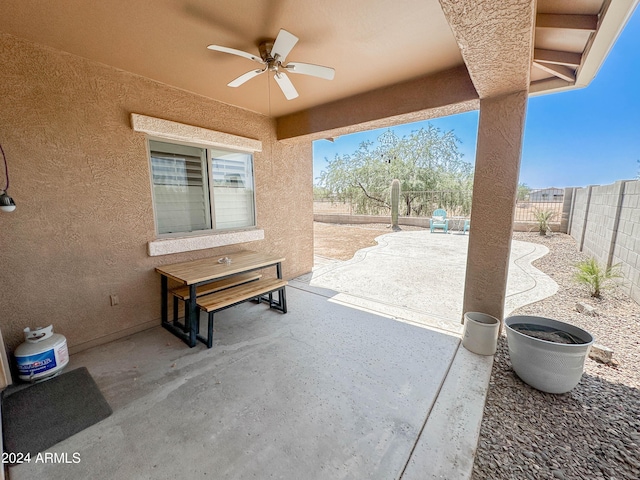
206	270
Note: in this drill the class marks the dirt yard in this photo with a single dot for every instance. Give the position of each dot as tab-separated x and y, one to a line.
341	242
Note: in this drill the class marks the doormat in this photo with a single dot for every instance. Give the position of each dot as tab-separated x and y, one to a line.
41	415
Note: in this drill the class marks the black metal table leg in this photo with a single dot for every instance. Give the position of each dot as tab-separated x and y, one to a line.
164	300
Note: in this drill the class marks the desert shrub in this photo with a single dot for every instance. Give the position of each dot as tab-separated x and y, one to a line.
543	218
596	278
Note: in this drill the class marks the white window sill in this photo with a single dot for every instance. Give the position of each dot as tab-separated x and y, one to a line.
187	244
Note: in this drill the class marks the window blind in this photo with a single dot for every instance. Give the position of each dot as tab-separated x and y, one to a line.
180	187
233	192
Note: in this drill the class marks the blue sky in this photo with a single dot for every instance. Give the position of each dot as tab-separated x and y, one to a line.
587	136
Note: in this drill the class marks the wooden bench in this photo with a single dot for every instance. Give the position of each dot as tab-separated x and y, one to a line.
262	289
182	293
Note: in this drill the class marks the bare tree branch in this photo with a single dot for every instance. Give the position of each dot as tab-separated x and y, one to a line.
372	198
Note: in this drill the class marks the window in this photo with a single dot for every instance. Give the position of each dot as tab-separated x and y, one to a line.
199	189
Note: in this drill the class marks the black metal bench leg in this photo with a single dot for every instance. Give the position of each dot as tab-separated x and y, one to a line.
175	310
208	340
210	331
197	319
283	299
281	304
273	303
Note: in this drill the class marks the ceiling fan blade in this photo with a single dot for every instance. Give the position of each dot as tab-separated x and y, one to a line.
285	85
285	41
233	51
310	69
245	78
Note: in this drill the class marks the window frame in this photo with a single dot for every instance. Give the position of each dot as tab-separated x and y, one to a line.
210	186
169	131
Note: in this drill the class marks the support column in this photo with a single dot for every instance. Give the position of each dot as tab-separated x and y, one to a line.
495	185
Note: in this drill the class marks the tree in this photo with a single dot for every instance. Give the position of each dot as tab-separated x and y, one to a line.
523	191
426	160
319	192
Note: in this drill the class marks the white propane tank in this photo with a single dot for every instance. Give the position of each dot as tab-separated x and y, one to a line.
42	355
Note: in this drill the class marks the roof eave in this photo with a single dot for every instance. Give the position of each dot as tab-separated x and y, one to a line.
612	23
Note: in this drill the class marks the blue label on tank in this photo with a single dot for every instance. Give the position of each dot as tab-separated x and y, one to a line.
35	364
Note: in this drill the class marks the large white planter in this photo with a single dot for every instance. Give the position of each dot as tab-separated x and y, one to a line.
480	333
547	366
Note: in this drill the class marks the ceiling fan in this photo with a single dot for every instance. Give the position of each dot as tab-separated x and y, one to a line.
272	58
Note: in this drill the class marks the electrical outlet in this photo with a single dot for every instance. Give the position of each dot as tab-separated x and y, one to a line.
114	300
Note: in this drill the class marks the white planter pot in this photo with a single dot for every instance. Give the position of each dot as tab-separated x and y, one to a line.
547	366
480	333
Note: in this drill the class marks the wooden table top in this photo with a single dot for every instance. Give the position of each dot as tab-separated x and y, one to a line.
205	269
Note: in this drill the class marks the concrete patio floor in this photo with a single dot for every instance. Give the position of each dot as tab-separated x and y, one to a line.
333	389
419	276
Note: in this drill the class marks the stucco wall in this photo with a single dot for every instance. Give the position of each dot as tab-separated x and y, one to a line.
80	178
612	230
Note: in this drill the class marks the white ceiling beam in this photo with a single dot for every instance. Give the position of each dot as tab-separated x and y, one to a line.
560	71
556	57
542	87
572	22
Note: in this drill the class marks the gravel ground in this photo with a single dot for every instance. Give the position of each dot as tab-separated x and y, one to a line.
592	432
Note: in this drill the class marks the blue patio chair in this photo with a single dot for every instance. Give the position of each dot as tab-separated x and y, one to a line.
467	226
439	220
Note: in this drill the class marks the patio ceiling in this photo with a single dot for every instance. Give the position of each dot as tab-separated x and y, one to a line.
459	50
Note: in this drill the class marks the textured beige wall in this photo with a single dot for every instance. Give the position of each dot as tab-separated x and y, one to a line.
496	42
80	178
500	133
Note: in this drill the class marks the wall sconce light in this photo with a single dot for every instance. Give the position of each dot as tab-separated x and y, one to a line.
6	202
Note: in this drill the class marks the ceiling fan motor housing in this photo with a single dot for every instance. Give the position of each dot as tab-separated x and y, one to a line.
265	53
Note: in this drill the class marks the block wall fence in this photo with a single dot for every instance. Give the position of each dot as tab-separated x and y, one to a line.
604	220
